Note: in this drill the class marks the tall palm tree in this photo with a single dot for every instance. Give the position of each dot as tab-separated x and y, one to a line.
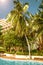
38	25
41	25
20	21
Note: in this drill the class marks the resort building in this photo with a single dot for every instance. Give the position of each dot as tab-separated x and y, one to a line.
5	25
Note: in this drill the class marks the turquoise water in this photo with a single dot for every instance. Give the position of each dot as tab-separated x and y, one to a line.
9	62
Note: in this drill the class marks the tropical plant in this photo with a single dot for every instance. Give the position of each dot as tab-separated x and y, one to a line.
12	43
41	26
1	37
20	21
38	26
23	26
8	38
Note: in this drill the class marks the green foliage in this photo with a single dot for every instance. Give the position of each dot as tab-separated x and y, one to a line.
18	18
14	40
21	53
37	53
9	39
23	25
2	50
1	37
0	30
41	5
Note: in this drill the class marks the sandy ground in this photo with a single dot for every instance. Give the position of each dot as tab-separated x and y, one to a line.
13	58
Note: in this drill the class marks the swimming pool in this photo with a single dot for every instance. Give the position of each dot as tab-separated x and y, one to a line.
16	62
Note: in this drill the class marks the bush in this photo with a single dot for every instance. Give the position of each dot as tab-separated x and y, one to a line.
21	53
37	52
2	50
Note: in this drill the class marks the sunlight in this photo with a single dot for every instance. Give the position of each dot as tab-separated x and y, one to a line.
25	8
3	1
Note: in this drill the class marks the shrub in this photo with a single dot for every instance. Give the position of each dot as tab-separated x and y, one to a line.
2	50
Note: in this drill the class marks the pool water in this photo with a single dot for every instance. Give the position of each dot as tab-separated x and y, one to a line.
12	62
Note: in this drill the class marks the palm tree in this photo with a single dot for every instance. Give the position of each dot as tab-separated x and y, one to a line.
38	25
41	25
20	21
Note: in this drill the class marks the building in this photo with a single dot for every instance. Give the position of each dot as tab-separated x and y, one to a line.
5	25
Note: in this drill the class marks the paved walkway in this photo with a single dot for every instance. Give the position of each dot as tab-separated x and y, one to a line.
15	58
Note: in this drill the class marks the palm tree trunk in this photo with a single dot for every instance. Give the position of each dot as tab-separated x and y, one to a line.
41	43
28	46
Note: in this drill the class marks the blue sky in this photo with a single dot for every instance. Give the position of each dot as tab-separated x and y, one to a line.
7	6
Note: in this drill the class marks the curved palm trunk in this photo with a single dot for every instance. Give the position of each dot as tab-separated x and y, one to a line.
41	43
28	46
